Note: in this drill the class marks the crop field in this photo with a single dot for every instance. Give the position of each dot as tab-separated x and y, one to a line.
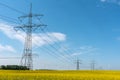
59	75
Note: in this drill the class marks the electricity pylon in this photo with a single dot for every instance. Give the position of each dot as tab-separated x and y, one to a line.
29	28
93	65
78	64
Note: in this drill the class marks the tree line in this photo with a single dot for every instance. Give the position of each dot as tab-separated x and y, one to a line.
13	67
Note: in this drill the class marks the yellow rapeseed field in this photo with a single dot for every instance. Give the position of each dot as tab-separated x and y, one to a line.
59	75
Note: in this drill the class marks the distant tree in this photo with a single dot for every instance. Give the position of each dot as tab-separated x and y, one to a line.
2	67
14	67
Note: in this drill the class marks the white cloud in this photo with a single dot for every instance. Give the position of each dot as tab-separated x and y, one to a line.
6	48
102	0
59	36
11	33
43	39
111	1
38	39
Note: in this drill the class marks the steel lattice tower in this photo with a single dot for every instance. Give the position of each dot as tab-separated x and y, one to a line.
27	59
78	64
93	65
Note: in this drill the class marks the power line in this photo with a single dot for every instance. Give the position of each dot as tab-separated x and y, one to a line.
52	53
10	57
49	51
42	29
9	19
53	48
68	51
68	54
2	4
65	49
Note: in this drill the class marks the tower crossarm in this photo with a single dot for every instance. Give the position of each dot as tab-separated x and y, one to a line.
30	15
34	26
41	26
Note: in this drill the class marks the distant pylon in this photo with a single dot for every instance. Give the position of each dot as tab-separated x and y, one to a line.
27	59
78	64
93	65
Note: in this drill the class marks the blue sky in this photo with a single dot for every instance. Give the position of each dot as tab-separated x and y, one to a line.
85	29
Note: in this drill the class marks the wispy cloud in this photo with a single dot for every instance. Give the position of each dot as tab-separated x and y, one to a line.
6	48
84	50
38	39
111	1
118	38
48	38
63	48
103	0
11	33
